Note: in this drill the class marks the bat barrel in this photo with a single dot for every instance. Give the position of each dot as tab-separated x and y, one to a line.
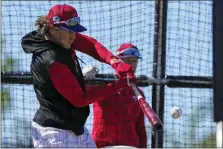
158	126
147	110
150	114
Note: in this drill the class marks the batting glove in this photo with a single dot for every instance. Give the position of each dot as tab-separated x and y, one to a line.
124	70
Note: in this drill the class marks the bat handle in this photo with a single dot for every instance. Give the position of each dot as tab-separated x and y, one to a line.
153	118
135	90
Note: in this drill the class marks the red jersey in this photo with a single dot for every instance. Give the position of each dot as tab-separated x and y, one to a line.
92	47
119	120
66	83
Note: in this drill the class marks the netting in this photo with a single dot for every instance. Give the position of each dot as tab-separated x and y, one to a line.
111	23
189	52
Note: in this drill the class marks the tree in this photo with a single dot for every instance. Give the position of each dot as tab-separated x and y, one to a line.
6	67
7	64
210	140
19	123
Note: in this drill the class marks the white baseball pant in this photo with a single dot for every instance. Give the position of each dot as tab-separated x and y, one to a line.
57	138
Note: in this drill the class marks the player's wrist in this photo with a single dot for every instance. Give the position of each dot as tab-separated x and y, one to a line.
115	61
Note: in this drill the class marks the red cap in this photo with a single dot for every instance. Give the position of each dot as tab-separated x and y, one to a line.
64	12
128	50
125	46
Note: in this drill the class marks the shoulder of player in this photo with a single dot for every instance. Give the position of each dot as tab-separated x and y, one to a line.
52	55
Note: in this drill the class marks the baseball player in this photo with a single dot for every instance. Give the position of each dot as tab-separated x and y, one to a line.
58	81
119	120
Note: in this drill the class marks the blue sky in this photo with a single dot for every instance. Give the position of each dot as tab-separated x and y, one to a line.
189	52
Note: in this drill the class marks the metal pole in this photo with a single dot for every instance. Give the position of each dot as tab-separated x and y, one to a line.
217	65
159	62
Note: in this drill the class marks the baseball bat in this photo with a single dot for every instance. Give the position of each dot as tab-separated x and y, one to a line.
147	110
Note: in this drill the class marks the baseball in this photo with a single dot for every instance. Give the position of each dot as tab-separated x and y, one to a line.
175	112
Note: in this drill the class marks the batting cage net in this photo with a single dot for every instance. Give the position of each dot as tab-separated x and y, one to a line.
188	81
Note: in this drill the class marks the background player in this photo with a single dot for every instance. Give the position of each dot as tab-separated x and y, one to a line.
119	120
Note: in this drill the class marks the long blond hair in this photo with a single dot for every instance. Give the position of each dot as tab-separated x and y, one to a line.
42	25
